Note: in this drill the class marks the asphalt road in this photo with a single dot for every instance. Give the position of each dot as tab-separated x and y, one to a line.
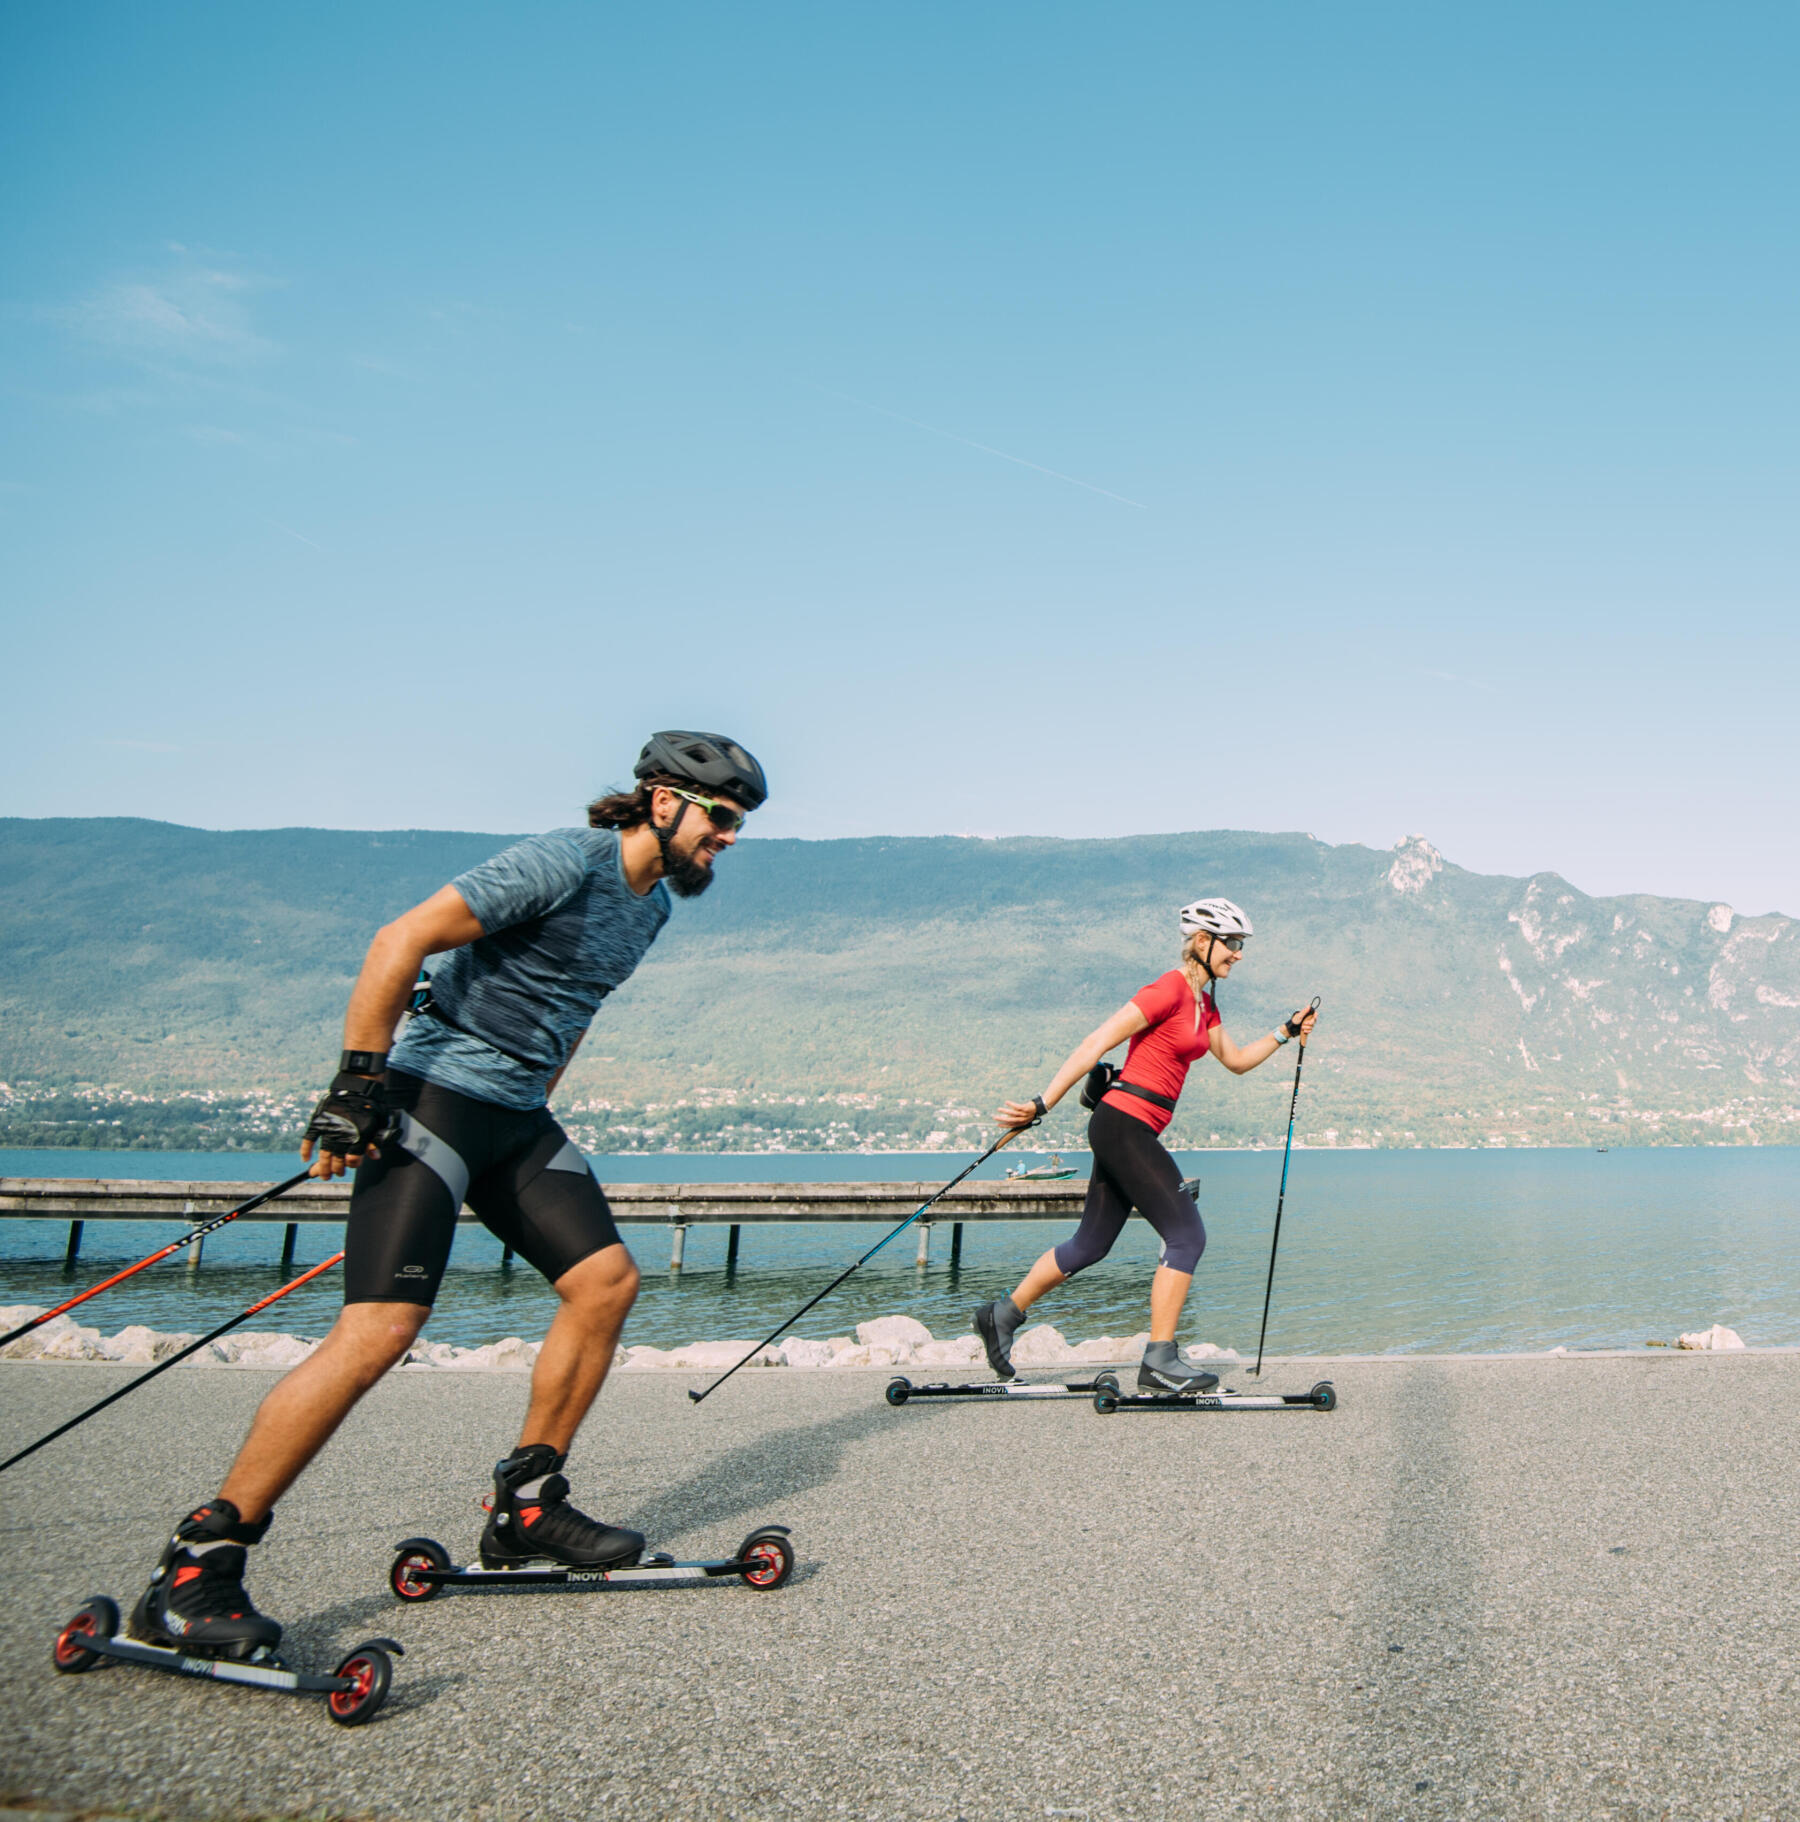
1534	1587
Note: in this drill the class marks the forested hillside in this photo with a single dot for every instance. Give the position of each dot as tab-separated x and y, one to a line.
169	985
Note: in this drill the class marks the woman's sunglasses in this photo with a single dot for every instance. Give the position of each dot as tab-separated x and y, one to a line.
1234	943
725	817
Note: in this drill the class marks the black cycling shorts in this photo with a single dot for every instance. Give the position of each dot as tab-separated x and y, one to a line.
519	1172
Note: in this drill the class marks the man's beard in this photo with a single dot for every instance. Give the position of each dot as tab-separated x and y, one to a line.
688	877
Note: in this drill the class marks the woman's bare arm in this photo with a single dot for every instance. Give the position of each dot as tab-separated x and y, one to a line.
1240	1060
1127	1022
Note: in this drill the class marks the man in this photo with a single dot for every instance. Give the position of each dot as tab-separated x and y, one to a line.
529	943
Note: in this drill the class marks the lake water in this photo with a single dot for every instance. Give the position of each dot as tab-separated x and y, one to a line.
1412	1251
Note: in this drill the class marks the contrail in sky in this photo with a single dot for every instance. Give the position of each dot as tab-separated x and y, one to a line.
1055	474
304	539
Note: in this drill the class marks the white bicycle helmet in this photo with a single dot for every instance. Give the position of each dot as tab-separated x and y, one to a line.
1215	916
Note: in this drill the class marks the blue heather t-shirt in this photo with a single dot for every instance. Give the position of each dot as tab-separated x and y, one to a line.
561	929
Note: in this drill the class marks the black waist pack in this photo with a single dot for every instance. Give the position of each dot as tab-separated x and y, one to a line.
1103	1079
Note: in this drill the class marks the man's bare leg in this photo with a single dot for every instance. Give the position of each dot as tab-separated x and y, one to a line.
597	1296
297	1419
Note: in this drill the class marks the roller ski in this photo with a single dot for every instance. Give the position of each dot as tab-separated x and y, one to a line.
196	1620
534	1538
902	1391
1110	1396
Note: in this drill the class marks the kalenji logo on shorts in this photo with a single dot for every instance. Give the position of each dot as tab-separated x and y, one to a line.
411	1271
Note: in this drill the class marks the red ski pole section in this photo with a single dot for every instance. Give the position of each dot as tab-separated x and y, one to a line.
276	1296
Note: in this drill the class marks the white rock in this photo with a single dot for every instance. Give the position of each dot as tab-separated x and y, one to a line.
1206	1350
1717	1339
959	1350
281	1351
1042	1346
646	1360
796	1352
509	1356
64	1340
132	1346
852	1357
432	1354
716	1356
893	1331
1106	1347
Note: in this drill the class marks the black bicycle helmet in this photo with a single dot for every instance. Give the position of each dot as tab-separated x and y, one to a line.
712	761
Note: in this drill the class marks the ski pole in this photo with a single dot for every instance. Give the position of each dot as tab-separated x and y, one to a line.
1004	1140
162	1366
174	1246
1287	1152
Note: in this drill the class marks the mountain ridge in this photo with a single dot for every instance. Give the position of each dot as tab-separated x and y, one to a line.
889	988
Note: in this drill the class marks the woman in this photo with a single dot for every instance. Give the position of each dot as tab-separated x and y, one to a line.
1172	1023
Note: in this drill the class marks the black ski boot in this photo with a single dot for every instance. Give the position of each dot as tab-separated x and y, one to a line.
1164	1371
196	1601
996	1323
532	1520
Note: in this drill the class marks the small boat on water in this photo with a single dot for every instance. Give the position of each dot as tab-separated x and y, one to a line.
1041	1173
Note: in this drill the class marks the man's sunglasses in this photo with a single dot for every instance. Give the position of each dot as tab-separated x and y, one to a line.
727	818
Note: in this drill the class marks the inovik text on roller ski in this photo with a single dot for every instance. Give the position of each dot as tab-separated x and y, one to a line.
1170	1024
455	1111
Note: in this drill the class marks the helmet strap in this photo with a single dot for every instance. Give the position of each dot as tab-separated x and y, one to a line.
665	836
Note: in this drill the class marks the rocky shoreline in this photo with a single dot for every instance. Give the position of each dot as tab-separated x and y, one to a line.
896	1341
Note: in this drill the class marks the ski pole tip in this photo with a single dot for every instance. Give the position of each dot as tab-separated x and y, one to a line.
696	1396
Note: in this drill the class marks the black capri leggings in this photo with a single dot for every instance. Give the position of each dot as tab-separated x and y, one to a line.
1132	1170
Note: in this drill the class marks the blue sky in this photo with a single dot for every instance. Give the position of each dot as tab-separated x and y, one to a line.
1046	418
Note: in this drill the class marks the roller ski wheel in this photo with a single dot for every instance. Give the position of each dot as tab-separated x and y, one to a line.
411	1557
1324	1395
772	1555
369	1672
73	1652
898	1390
1106	1399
